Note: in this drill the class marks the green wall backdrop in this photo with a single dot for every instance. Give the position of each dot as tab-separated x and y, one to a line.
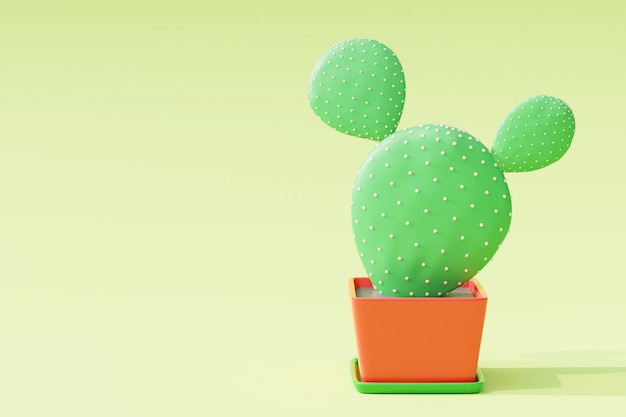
175	226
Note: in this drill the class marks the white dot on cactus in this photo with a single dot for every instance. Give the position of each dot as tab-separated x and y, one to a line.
382	214
443	153
504	196
411	293
439	293
399	258
394	290
435	230
417	190
485	258
423	265
445	269
410	172
372	261
472	205
443	251
481	225
486	243
445	198
500	229
408	223
371	227
391	183
461	186
362	207
422	147
487	192
399	202
465	270
454	218
375	194
451	168
371	175
386	164
426	293
427	162
462	237
416	244
467	255
391	236
380	292
435	179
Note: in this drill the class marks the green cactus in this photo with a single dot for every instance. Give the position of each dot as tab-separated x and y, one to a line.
357	87
429	210
430	204
535	134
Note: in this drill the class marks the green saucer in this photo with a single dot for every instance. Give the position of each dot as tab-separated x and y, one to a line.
415	387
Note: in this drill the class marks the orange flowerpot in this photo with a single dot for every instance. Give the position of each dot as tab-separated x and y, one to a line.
418	339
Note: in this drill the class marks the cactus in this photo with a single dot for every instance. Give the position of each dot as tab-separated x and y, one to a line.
535	134
429	210
430	204
357	87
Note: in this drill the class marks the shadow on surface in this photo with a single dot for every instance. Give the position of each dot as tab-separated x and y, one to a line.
605	355
581	381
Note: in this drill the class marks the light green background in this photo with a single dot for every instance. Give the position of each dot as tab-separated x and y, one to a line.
174	230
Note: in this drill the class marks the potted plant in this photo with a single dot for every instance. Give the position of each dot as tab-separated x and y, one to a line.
430	208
